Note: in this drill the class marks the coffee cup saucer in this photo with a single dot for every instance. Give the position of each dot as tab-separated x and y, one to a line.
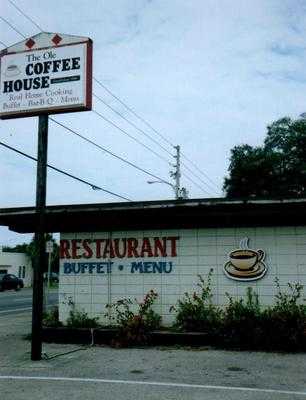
256	272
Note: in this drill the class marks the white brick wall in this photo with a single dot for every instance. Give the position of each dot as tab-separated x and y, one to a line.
198	250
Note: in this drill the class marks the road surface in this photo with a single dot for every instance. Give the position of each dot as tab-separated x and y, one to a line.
100	372
12	302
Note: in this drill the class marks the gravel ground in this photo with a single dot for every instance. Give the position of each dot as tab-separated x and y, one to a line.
204	366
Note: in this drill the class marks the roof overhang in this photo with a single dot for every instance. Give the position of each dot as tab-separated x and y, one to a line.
168	214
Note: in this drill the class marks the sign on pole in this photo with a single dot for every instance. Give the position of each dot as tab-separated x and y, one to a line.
49	246
48	73
45	74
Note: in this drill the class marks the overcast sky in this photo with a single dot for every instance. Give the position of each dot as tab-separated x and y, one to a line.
208	75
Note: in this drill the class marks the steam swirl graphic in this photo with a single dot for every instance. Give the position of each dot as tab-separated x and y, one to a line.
244	243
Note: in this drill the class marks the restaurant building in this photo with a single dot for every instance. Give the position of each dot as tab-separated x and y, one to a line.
122	250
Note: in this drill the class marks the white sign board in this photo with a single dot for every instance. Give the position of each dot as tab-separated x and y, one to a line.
49	247
50	80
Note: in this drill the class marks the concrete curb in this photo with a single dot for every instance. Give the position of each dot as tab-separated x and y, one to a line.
105	336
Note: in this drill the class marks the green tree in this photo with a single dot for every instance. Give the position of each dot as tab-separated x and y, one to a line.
29	250
276	169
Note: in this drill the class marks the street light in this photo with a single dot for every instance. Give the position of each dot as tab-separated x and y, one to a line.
179	194
166	183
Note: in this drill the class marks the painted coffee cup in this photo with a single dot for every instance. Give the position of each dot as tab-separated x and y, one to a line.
12	70
245	259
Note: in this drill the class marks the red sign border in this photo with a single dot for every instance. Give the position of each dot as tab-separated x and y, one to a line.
64	109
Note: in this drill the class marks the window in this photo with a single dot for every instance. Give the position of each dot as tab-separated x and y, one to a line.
3	271
19	272
23	271
4	268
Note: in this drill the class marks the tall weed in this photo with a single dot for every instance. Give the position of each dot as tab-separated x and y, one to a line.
196	312
134	325
242	321
284	323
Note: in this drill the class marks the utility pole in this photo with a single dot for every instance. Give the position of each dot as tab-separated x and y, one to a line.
180	193
177	172
40	246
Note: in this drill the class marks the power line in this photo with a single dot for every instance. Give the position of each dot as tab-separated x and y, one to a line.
93	186
25	15
132	111
198	169
126	119
200	179
108	151
132	124
196	184
152	128
116	126
131	136
118	157
12	26
148	136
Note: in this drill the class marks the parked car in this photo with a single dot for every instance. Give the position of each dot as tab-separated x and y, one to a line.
10	282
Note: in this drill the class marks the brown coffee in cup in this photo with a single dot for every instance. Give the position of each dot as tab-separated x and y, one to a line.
245	259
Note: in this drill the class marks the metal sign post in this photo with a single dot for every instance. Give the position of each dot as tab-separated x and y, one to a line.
40	245
49	250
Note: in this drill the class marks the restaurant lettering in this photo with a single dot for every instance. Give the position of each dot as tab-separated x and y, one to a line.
119	248
141	267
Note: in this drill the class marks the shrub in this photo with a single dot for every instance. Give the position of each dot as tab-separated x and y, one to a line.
50	318
134	327
80	319
284	324
242	321
195	312
279	327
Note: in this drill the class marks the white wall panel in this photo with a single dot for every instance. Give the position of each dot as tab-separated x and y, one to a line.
198	250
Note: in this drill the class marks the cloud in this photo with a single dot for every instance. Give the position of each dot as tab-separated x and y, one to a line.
207	75
282	49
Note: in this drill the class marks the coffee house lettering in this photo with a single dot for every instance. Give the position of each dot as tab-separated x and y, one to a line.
26	84
36	71
46	67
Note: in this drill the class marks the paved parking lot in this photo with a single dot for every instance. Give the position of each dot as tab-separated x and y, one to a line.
154	373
